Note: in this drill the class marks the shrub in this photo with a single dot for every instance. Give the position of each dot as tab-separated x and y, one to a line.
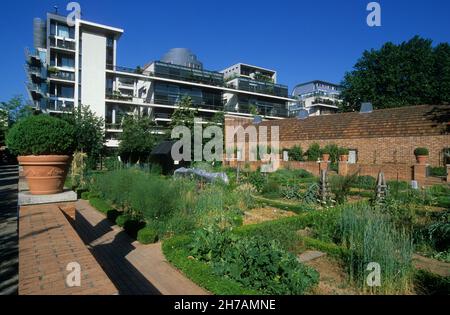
333	150
296	153
340	186
421	151
85	195
427	283
343	151
122	219
365	182
438	171
257	179
100	204
253	262
271	189
313	152
112	215
41	135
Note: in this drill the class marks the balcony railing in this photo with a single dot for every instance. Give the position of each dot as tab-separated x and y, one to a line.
262	87
62	75
60	105
61	43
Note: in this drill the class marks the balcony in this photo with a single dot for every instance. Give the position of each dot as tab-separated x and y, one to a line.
36	91
262	109
57	104
32	59
61	75
62	43
262	87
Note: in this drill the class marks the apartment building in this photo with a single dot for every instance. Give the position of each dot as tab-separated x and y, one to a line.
317	97
74	65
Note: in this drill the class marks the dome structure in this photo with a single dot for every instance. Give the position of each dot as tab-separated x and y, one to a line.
183	57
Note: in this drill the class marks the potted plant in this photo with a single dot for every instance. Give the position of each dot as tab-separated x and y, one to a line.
343	154
325	154
421	155
43	144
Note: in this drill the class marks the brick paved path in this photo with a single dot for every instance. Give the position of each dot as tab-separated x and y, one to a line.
9	176
47	244
133	268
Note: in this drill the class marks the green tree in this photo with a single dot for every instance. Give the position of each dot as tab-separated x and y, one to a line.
89	134
184	115
410	73
11	112
137	139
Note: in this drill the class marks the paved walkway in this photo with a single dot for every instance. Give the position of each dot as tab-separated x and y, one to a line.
9	176
48	244
133	268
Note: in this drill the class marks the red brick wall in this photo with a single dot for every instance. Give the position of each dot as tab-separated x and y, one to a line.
385	150
402	172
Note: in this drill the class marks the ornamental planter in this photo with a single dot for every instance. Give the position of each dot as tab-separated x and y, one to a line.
343	157
45	174
422	159
325	157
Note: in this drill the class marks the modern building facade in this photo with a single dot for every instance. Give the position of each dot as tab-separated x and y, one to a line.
317	97
76	65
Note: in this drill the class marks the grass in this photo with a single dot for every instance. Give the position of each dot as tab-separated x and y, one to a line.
370	236
427	283
101	205
176	252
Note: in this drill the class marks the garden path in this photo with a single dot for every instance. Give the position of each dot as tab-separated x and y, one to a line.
432	265
133	267
9	252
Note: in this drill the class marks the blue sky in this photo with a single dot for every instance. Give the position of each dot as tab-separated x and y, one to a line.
302	40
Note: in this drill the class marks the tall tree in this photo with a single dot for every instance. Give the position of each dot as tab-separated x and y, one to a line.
89	134
410	73
137	139
11	112
184	115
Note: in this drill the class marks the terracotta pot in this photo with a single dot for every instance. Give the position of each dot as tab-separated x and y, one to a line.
325	157
45	174
421	159
343	158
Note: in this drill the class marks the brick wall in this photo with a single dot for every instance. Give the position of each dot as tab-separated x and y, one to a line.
385	150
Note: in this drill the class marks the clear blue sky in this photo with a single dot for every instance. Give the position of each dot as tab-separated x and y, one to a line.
302	40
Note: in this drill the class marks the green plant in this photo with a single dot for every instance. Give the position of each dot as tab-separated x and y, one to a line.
85	195
341	185
176	250
438	171
421	151
370	236
313	152
132	226
257	179
41	135
333	150
88	133
365	182
343	151
137	139
122	219
253	262
296	153
100	204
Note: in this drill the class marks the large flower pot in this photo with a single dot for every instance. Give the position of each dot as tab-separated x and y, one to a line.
45	174
343	158
325	157
421	159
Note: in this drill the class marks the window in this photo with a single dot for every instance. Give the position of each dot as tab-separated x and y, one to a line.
63	31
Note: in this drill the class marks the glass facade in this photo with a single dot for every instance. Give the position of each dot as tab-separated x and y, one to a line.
176	72
262	87
171	94
264	107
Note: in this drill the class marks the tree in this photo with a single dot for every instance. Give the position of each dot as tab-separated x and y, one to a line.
11	112
410	73
137	139
184	115
89	134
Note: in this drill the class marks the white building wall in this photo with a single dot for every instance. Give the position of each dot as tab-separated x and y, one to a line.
93	65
